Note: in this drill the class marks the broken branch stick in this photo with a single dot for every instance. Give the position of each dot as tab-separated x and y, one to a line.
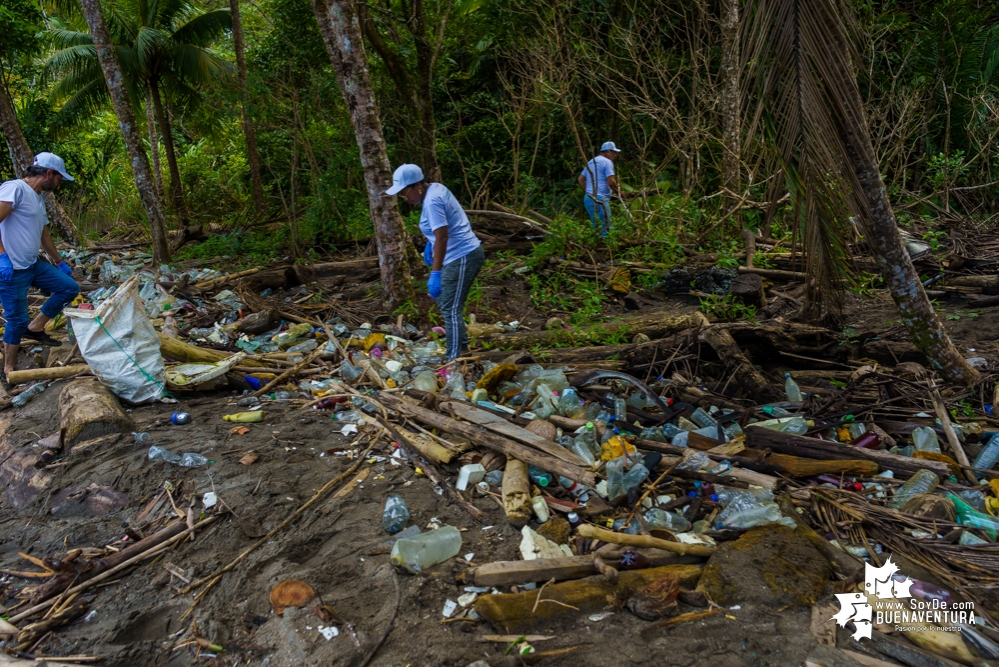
288	373
54	373
948	429
588	530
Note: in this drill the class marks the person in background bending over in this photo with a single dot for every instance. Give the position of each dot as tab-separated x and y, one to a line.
23	232
599	183
453	252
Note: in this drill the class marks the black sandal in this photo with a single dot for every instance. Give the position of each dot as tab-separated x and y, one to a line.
42	338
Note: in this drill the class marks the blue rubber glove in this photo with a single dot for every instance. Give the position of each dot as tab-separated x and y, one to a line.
434	288
64	267
428	254
7	269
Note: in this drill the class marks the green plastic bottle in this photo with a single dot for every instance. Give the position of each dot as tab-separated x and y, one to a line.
969	516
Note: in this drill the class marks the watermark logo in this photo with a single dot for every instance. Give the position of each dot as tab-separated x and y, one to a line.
887	600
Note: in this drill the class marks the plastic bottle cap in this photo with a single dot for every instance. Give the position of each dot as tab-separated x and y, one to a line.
714	497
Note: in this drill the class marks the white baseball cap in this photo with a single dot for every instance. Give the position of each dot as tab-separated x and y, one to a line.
609	146
53	162
405	175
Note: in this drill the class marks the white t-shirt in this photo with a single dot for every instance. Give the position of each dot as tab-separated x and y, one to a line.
21	231
600	167
441	209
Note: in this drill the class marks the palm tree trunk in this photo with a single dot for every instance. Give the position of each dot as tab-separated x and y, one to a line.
342	34
22	157
731	175
154	146
252	154
176	188
94	15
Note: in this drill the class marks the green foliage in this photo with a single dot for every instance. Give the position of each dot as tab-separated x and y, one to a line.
726	308
247	249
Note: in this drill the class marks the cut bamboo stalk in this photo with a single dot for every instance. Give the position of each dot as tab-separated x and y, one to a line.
54	373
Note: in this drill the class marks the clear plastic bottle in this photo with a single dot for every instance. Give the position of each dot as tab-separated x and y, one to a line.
924	481
191	460
635	476
791	389
539	476
640	401
976	499
455	386
925	439
588	438
544	405
702	418
157	453
395	514
426	381
989	456
775	411
620	409
306	346
752	517
615	478
349	371
416	554
796	425
142	437
969	516
575	488
652	433
569	404
657	518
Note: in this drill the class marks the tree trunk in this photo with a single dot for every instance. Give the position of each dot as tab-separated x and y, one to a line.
424	76
154	146
252	154
731	105
342	34
176	188
881	234
22	158
94	15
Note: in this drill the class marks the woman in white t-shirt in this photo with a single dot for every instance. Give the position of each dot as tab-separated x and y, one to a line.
453	252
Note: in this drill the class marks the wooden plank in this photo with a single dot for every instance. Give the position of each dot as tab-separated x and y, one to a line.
497	424
512	573
489	440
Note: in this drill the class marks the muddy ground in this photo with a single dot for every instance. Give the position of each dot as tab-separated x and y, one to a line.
91	499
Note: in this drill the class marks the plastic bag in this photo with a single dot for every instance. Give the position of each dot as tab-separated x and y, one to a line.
121	346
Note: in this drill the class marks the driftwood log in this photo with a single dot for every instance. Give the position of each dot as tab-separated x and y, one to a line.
489	440
54	373
89	410
745	374
748	288
654	326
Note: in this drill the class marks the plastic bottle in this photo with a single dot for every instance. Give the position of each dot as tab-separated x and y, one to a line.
869	440
293	333
34	390
652	433
395	515
796	425
416	554
702	418
752	517
539	476
544	405
969	516
975	499
968	538
573	519
252	417
157	453
191	460
142	437
657	518
615	478
638	474
580	449
620	409
350	372
569	404
775	411
989	455
540	508
791	389
575	488
588	438
426	381
306	346
924	481
925	439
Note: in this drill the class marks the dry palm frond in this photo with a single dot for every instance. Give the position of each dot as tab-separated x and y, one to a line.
799	60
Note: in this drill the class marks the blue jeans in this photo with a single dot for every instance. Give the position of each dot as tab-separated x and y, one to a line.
598	208
14	296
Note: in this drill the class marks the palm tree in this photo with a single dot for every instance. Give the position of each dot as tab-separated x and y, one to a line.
163	48
800	56
107	60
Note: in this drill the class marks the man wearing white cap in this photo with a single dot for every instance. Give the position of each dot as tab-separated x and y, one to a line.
599	183
23	232
453	251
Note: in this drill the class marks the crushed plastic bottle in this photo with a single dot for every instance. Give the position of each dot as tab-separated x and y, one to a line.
349	372
656	518
975	499
796	425
702	418
540	477
752	517
141	437
395	515
545	405
569	404
635	476
192	460
791	389
615	478
416	554
22	399
693	461
925	439
306	346
620	409
640	401
157	453
924	481
426	381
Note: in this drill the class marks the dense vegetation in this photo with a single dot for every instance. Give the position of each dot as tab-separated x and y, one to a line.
507	96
